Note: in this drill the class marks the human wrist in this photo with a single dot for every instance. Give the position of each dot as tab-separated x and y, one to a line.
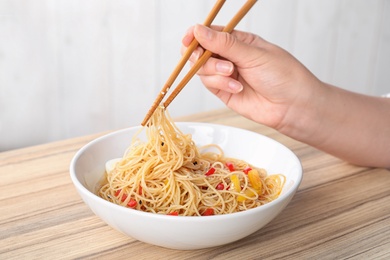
303	121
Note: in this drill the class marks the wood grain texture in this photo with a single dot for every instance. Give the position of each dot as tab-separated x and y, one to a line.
339	212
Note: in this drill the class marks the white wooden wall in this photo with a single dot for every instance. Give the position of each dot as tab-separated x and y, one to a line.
74	67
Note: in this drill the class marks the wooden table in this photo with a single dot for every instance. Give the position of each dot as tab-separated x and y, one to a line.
340	210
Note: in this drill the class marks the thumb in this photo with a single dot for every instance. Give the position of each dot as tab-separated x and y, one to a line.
235	47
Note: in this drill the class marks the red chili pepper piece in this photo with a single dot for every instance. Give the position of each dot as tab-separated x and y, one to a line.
140	190
247	169
220	186
210	171
124	196
208	212
117	192
173	213
132	203
230	166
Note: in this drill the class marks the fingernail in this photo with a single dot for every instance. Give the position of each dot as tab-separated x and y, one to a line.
203	31
235	86
195	55
224	67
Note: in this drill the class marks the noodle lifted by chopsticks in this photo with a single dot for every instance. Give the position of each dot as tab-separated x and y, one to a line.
168	174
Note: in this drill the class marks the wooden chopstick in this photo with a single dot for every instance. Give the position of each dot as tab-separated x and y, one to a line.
199	63
207	54
209	19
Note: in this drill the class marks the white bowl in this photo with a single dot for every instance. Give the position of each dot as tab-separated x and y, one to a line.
180	232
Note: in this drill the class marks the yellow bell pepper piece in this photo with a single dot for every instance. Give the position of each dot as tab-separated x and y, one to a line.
248	193
255	180
235	182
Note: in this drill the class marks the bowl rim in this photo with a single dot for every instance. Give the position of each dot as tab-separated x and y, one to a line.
81	188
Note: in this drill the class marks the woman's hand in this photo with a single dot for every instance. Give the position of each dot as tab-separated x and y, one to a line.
268	85
252	76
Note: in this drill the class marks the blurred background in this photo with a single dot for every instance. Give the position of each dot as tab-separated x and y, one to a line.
71	67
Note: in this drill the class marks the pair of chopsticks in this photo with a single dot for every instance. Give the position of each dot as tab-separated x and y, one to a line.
199	63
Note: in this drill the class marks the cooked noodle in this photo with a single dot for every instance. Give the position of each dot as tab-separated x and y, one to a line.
169	174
